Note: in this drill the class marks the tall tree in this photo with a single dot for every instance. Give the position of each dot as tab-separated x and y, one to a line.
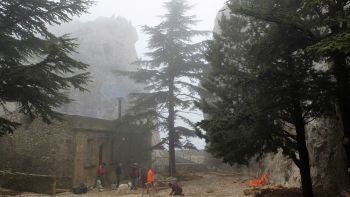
332	45
326	23
170	75
277	91
35	66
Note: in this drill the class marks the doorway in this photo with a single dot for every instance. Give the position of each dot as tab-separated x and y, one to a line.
100	154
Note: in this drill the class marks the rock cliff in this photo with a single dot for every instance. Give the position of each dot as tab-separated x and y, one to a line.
107	44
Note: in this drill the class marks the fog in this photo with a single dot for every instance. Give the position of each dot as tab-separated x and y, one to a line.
90	103
142	12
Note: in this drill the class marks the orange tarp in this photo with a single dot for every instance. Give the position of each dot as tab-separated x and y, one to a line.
259	182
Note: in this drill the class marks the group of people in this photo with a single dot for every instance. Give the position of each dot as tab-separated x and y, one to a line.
141	175
138	176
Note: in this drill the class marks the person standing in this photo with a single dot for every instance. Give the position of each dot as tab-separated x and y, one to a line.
134	175
118	172
143	176
150	175
101	171
150	181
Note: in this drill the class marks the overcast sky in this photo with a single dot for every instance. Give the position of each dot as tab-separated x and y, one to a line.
147	12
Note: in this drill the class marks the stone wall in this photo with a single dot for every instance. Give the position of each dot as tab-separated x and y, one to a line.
28	182
71	150
87	155
38	148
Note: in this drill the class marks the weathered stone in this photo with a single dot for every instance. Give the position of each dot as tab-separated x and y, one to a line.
106	44
327	160
28	182
248	192
72	149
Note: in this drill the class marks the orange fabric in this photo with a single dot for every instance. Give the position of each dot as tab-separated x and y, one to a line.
259	182
150	176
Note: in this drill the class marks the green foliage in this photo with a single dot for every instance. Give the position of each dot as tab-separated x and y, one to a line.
170	74
260	70
333	43
331	19
35	65
271	89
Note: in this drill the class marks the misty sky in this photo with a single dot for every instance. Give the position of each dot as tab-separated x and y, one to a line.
147	12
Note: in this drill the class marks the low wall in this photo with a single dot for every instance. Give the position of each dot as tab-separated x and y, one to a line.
191	168
183	168
64	182
28	182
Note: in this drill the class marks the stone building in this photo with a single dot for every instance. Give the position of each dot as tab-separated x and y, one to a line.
72	149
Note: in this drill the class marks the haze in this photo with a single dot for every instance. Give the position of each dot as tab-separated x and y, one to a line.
142	12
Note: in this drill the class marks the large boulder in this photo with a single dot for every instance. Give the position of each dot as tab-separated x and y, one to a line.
327	156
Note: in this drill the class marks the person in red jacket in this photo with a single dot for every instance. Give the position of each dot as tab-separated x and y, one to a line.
101	172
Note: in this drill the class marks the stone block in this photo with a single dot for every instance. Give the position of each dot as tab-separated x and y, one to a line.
28	182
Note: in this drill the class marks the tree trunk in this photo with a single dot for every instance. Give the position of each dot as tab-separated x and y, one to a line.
171	127
343	90
341	74
304	164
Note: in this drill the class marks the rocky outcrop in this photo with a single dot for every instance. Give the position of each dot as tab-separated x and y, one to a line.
327	156
106	44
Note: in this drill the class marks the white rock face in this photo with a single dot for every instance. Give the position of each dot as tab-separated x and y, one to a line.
327	158
282	170
106	44
328	166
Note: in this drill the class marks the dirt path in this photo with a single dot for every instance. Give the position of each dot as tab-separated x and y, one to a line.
211	184
195	185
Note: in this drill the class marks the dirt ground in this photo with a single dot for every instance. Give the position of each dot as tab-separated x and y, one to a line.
211	184
194	185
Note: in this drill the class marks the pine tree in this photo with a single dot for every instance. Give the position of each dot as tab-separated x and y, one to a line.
275	93
325	22
170	75
35	65
332	45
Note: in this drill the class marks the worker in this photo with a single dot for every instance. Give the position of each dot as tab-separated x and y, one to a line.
150	175
175	189
134	175
101	172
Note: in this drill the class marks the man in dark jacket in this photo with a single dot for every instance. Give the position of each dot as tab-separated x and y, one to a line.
118	172
134	175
